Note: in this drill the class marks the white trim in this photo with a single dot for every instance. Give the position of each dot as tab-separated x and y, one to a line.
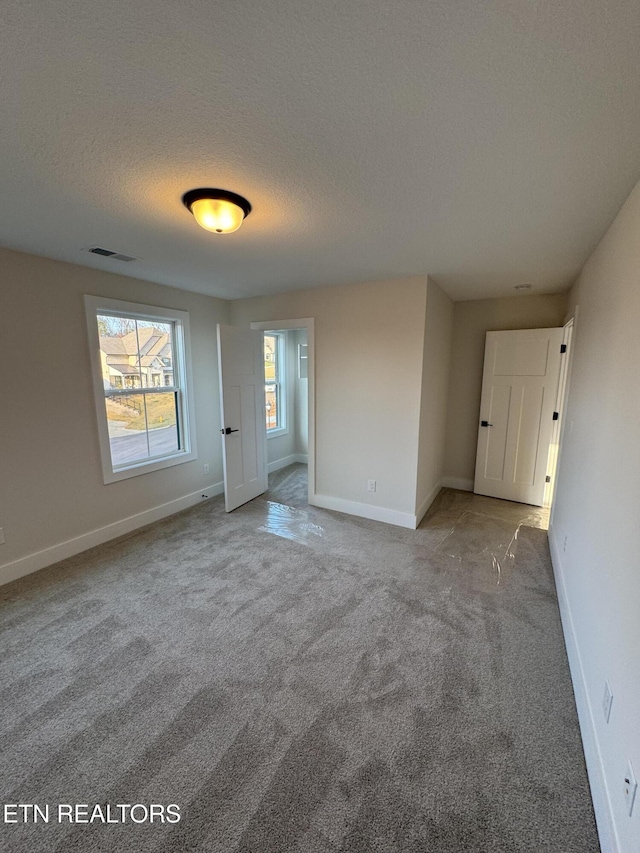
276	432
458	483
287	460
426	503
71	547
307	323
600	793
570	339
376	513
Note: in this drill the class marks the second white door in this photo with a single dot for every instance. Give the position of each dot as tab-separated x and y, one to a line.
241	359
519	386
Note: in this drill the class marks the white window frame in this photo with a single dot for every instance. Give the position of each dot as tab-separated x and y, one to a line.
95	305
280	382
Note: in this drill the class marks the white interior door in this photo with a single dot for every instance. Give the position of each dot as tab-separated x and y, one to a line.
519	387
241	360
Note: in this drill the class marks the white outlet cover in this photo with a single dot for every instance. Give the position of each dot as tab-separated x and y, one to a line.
630	788
607	701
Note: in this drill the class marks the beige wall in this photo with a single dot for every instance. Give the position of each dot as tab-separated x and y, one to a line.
472	320
438	330
368	358
50	473
596	515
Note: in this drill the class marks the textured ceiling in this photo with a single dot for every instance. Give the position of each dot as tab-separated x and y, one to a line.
488	144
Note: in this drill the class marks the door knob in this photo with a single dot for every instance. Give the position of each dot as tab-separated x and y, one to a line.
485	423
228	430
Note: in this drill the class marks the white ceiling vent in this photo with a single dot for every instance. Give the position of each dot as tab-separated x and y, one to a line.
108	253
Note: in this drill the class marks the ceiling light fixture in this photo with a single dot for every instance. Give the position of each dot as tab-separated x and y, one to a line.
217	210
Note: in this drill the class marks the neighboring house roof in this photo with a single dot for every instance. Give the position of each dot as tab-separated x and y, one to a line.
152	342
112	346
128	369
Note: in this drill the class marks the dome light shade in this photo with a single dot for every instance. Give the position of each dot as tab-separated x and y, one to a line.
220	211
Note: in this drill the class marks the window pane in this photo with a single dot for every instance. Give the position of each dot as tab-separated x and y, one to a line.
270	357
127	423
135	353
155	342
162	422
142	426
271	405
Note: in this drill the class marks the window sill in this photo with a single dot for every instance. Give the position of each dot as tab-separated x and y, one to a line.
276	433
148	467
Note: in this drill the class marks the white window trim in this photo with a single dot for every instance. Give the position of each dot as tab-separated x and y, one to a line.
282	382
95	305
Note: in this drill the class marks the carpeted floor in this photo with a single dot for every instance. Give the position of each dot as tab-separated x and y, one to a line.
289	486
298	680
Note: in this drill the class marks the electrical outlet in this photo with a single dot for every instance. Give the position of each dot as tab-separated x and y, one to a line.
1	535
371	485
205	468
630	788
607	701
205	495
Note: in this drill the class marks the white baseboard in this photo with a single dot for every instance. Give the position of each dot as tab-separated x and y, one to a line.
33	562
597	782
426	503
287	460
375	513
458	483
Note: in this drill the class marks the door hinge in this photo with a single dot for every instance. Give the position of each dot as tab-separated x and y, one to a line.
563	348
556	415
547	479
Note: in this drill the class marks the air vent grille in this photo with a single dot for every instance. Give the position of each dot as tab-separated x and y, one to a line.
108	253
126	258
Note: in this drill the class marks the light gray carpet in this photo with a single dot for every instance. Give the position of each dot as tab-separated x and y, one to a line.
352	687
289	486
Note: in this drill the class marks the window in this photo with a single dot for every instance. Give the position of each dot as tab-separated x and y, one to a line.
143	423
274	390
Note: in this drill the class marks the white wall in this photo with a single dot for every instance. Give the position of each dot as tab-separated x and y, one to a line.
436	365
471	321
368	358
52	491
597	513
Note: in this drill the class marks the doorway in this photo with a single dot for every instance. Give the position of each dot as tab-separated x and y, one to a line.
289	410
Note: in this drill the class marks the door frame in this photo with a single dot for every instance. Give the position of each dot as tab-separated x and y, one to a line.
561	396
307	323
570	329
